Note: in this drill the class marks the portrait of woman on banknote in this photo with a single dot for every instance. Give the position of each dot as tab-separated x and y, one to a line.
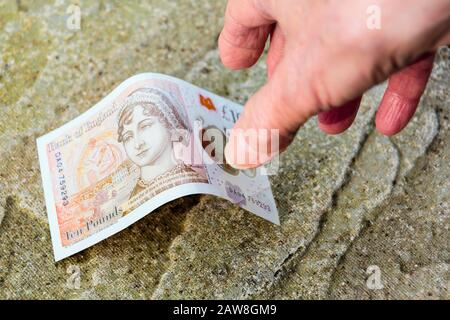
147	119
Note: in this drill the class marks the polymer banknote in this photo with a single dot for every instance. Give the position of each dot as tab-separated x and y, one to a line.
153	139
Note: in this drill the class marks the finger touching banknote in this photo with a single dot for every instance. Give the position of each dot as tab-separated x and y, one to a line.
153	139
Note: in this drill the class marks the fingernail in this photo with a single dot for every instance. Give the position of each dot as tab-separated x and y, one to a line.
232	150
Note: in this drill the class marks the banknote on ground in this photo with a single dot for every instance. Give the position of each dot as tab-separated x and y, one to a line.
153	139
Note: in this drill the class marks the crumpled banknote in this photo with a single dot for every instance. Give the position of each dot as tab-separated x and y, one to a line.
153	139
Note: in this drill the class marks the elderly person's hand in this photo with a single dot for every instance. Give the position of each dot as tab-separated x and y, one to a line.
324	54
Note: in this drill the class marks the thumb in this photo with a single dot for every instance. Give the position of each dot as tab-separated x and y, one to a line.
270	120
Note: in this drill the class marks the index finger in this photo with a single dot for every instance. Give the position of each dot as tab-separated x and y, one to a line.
243	37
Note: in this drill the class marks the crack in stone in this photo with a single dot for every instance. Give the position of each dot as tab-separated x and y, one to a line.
397	187
296	255
2	214
171	243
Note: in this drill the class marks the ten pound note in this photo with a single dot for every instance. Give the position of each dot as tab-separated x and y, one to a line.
153	139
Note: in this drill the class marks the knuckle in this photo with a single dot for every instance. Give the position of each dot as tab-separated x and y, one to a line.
263	8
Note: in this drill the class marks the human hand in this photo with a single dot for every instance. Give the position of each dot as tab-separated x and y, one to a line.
323	57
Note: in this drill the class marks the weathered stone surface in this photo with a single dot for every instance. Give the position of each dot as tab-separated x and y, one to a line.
308	273
2	214
407	237
346	202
